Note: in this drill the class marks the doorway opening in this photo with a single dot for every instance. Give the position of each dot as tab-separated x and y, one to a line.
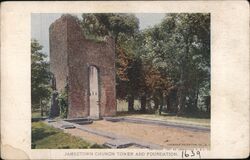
94	93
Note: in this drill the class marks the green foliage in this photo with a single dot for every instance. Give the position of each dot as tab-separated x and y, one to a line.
63	103
97	25
168	63
179	49
171	56
46	137
92	28
40	77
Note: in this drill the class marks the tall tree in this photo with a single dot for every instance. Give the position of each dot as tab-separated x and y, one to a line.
40	77
170	61
196	63
157	82
179	49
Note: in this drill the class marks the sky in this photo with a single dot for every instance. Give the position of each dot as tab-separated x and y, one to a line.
40	23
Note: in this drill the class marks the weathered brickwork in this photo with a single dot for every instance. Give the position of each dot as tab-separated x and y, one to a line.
71	55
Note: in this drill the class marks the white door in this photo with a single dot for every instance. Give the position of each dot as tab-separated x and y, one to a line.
94	94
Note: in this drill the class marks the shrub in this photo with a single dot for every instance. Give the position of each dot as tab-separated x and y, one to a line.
63	103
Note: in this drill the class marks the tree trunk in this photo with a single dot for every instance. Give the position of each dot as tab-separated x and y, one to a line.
182	94
41	106
172	101
143	103
131	103
156	102
160	109
208	104
168	103
183	79
162	103
181	103
196	98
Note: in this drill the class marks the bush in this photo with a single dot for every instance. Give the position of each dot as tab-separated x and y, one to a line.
33	145
63	104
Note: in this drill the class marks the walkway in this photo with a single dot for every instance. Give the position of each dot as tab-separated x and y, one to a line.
120	132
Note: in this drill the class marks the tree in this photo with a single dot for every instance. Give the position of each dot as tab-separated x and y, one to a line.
192	39
168	63
128	70
179	50
40	77
99	25
156	80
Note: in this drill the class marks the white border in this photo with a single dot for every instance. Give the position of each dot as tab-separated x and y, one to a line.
229	61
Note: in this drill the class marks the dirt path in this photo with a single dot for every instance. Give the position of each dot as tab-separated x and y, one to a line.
165	136
87	136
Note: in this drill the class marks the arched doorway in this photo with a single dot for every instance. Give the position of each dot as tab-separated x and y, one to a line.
93	93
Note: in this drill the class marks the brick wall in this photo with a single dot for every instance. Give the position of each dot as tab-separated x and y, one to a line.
71	55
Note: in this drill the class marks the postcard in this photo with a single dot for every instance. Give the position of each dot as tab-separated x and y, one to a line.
125	80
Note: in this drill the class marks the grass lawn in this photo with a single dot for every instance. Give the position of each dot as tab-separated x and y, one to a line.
36	115
47	137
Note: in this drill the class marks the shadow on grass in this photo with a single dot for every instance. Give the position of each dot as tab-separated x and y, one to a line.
40	133
198	115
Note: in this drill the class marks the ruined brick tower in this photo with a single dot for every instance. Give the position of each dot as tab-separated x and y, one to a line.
87	67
